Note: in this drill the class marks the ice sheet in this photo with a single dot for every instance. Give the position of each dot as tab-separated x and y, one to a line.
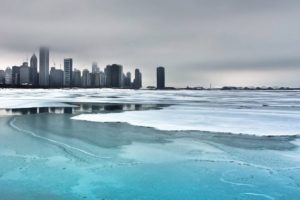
247	112
245	121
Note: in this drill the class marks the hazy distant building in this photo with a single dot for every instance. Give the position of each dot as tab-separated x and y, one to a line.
96	80
102	79
33	71
86	78
44	67
137	83
95	68
68	70
2	77
25	74
76	78
160	78
114	76
15	76
8	76
56	78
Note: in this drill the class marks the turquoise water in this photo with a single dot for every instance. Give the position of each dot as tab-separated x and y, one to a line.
51	156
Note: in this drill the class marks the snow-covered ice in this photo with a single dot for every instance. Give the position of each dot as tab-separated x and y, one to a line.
246	112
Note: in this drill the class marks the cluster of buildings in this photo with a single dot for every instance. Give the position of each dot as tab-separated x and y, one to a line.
28	75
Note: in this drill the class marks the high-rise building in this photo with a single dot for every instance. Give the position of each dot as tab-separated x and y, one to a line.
8	76
16	76
127	80
56	78
25	74
33	71
76	78
68	72
102	79
95	68
2	77
160	78
114	76
96	80
137	83
44	67
86	78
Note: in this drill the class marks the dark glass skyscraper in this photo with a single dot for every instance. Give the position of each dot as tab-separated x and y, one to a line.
160	77
114	76
56	78
68	72
44	67
137	83
33	70
16	76
76	78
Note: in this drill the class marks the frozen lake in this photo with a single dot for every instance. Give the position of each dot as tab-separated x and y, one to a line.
126	144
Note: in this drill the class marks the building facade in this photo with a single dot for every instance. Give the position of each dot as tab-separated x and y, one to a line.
68	72
160	78
44	67
33	71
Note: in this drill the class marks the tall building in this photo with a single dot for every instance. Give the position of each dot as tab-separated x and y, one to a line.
95	80
56	78
8	76
86	78
137	83
68	72
127	80
102	79
25	74
33	71
95	68
160	78
2	77
16	76
44	67
114	76
76	78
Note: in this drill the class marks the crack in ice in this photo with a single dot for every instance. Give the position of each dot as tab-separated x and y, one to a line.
12	124
260	195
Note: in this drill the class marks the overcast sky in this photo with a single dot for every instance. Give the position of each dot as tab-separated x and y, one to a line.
222	42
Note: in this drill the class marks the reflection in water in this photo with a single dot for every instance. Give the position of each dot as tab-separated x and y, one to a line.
113	107
44	110
81	108
68	110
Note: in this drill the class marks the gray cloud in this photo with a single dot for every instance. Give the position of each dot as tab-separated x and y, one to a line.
193	37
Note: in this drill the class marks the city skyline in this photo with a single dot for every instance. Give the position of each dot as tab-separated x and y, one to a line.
27	75
231	42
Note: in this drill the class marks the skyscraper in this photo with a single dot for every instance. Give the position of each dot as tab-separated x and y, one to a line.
68	72
8	76
2	77
24	74
160	78
86	78
33	71
137	83
44	67
102	79
95	68
114	76
56	78
127	81
16	76
76	78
